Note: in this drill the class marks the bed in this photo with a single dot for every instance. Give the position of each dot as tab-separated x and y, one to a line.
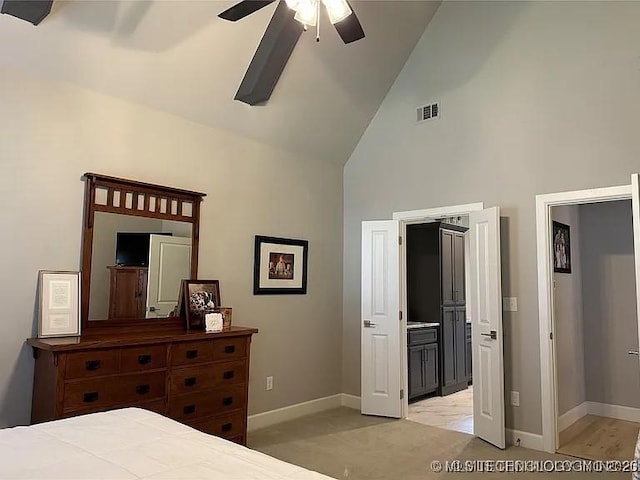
132	443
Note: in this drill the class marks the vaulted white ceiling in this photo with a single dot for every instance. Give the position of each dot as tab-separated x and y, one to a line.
179	57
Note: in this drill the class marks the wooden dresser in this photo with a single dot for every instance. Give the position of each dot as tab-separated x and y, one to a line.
198	378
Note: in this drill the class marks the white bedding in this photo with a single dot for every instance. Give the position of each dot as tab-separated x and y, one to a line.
132	444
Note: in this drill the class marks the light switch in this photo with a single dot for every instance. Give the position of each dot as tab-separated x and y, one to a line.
510	304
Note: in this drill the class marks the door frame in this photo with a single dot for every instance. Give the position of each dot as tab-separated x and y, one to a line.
548	378
412	217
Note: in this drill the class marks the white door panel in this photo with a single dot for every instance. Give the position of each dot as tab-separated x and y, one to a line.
485	310
380	354
635	206
169	264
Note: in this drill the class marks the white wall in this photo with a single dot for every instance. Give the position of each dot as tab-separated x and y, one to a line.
609	304
536	97
568	318
50	134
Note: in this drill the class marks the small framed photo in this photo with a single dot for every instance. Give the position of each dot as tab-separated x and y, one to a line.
227	313
280	266
561	248
199	298
58	304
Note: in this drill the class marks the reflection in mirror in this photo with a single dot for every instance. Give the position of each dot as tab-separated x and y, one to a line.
137	276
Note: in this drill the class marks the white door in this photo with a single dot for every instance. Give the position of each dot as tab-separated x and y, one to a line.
635	206
380	346
485	309
169	264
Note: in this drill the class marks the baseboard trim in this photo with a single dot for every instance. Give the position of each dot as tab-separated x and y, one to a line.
572	416
630	414
291	412
527	440
351	401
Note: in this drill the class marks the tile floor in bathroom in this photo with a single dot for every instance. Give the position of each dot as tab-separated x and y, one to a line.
453	412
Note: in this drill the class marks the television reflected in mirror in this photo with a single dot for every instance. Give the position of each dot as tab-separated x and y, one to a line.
137	266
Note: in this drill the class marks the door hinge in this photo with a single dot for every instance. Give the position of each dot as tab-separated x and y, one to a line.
400	315
400	240
401	394
550	335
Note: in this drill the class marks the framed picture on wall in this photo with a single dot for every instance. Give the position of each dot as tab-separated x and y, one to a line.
280	266
58	304
561	248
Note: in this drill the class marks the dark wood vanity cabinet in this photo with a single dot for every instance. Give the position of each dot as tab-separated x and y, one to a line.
436	293
127	292
422	358
452	268
454	350
196	378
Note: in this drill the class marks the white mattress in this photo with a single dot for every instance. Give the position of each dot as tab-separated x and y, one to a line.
132	444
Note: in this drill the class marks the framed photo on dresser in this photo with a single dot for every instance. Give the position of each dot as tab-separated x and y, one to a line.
199	298
58	304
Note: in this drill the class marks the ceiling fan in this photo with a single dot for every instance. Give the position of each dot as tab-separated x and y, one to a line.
287	24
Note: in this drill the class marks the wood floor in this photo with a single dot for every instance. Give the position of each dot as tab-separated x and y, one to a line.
600	438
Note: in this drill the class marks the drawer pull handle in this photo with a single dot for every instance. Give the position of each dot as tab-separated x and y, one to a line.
189	409
227	427
229	349
90	397
143	389
192	353
226	401
190	382
144	359
228	375
92	365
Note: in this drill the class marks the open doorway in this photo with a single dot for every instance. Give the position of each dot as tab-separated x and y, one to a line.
594	313
553	419
439	363
384	366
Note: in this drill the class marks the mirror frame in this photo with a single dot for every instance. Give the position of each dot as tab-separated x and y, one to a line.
122	189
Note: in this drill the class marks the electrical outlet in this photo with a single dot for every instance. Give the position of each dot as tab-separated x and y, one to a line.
515	399
510	304
269	383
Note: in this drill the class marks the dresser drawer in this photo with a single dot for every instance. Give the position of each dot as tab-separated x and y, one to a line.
92	364
229	348
210	402
225	426
136	359
205	377
158	406
103	392
188	353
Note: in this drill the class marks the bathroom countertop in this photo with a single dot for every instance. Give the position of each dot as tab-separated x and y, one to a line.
412	325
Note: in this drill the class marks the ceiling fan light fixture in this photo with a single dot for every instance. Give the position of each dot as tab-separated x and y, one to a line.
294	4
338	10
307	12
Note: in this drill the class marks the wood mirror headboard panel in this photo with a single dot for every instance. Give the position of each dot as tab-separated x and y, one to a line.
128	197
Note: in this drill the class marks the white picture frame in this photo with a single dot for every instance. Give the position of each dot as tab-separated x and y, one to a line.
58	304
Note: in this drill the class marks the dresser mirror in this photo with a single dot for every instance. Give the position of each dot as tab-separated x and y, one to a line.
140	240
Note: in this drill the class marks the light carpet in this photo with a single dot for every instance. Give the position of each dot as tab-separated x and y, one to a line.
343	444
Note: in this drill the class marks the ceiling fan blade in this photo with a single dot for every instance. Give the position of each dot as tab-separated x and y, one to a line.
33	11
350	29
244	8
270	58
